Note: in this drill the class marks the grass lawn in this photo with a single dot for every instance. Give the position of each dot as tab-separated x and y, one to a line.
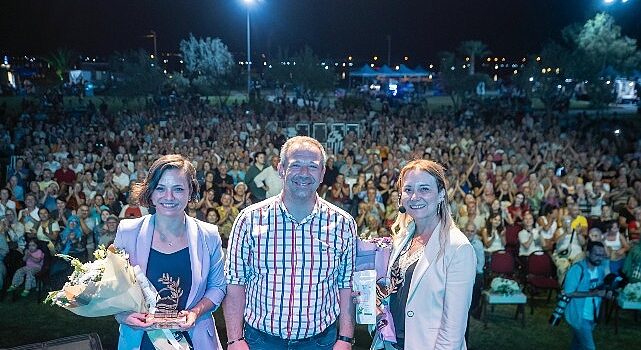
25	321
115	102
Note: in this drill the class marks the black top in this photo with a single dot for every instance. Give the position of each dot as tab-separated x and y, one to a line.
169	274
398	301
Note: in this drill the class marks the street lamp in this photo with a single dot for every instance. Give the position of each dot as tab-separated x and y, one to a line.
248	4
152	35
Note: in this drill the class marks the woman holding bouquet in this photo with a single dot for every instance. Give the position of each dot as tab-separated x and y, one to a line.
181	257
432	265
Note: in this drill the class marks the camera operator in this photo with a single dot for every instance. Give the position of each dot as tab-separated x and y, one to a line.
581	285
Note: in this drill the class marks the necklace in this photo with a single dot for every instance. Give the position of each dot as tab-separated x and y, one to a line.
165	239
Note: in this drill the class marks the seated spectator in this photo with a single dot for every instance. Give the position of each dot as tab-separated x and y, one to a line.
493	234
101	224
241	196
29	215
15	231
223	181
108	234
227	214
208	201
87	225
120	179
72	240
331	172
372	226
391	209
76	196
568	247
607	216
212	216
579	222
34	259
616	246
517	209
194	211
237	172
48	230
16	189
529	238
5	201
47	179
350	169
64	176
49	197
132	210
96	206
372	205
471	214
112	201
384	187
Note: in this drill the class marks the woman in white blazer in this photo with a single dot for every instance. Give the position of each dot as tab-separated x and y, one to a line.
432	266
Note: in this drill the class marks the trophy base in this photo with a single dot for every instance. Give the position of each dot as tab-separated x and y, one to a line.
162	322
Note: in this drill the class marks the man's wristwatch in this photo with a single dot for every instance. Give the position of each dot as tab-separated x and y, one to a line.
346	339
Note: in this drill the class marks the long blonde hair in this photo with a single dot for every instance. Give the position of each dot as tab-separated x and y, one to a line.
400	226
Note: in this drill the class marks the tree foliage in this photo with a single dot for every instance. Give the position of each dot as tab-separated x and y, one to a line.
590	54
604	45
209	65
61	61
136	74
456	81
473	49
305	71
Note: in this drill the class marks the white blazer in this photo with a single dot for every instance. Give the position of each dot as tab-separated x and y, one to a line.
440	292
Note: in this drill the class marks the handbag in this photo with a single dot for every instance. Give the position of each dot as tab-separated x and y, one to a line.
566	252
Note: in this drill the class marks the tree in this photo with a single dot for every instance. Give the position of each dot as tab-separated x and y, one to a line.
209	65
455	81
305	71
473	49
602	41
61	61
601	48
136	74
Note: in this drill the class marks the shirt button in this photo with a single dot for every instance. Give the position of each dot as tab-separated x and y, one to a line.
410	314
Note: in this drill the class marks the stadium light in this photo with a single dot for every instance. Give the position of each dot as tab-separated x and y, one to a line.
248	5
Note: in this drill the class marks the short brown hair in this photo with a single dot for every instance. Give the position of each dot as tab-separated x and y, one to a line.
142	190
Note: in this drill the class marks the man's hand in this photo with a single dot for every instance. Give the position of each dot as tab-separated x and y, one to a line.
190	319
608	294
342	345
238	345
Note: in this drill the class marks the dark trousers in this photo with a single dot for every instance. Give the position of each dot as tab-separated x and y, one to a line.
258	340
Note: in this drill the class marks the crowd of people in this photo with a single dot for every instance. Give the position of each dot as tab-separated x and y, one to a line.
557	182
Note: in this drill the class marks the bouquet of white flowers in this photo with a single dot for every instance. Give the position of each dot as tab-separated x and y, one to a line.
632	292
105	286
504	286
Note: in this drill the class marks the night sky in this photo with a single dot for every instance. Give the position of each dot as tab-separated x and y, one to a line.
334	28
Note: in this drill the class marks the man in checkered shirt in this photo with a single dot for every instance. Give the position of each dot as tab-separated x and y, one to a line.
289	263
